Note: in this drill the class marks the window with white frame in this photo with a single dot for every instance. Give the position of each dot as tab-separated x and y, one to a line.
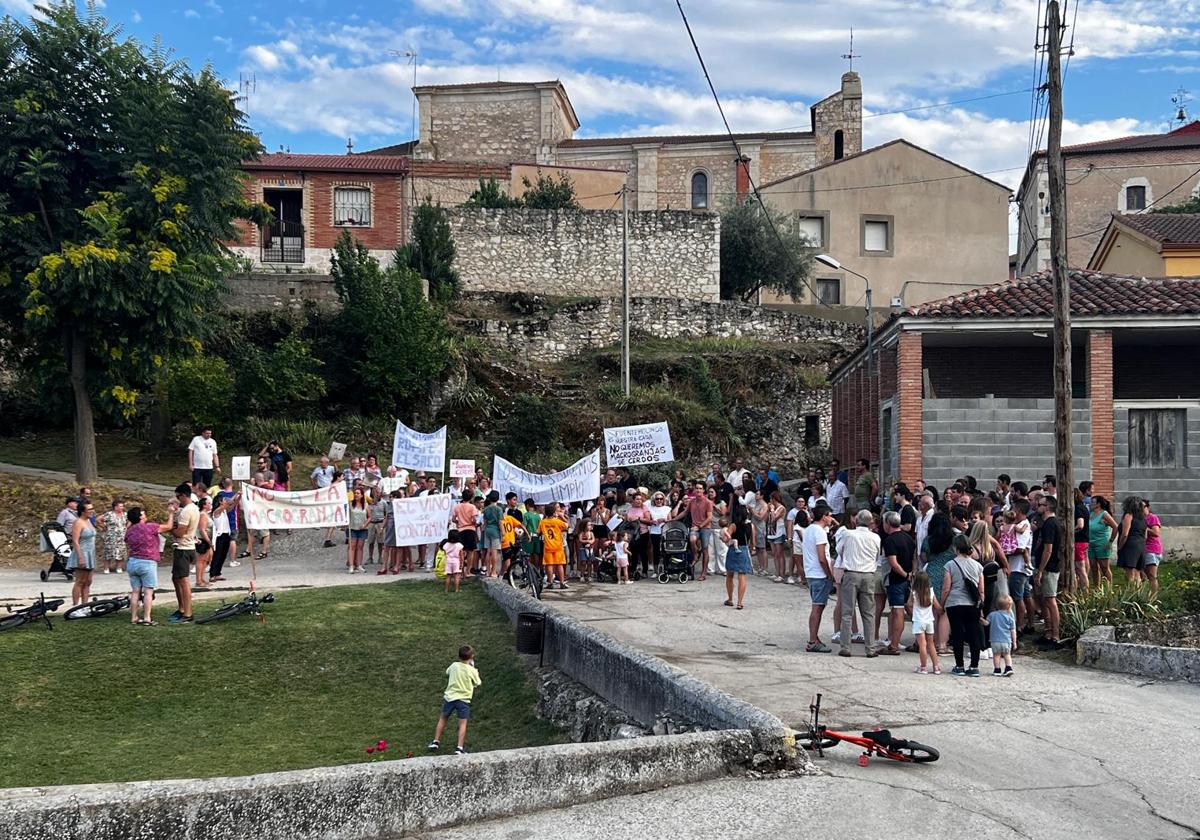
1135	196
1158	438
352	206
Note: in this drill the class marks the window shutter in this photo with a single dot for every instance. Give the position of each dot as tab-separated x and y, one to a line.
875	236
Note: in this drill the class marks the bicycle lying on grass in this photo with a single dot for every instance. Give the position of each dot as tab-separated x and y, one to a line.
879	742
252	605
39	609
97	608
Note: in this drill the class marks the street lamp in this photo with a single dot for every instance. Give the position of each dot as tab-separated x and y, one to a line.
831	262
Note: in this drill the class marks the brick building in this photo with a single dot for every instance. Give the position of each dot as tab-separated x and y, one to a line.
962	386
1125	175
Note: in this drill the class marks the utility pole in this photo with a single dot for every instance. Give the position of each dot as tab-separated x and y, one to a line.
1063	471
625	289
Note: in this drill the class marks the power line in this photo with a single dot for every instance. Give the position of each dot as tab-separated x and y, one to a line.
738	151
1144	209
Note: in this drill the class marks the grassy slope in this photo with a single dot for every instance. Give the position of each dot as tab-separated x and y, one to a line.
329	672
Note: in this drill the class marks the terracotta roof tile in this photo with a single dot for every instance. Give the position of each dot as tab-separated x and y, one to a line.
1092	293
1168	228
329	163
1182	137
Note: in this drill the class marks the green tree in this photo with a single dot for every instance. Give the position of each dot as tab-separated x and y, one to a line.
754	257
1191	205
200	390
432	251
395	343
549	193
284	377
119	178
489	194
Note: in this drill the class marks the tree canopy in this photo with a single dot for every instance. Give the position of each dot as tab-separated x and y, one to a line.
432	251
119	178
1191	205
762	252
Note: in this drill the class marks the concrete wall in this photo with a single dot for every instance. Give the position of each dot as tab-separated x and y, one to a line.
986	437
578	252
1173	494
949	228
1144	650
370	801
269	291
643	685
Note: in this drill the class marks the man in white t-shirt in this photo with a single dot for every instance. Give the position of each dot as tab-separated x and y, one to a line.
925	508
819	574
837	494
858	553
203	458
737	475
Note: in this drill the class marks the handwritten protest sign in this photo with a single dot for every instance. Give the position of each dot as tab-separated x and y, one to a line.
578	482
419	450
626	446
336	451
421	520
239	468
278	509
461	469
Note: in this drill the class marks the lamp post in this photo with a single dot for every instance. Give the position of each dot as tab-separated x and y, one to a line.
831	262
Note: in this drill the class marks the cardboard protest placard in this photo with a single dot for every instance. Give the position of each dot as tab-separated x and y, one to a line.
578	482
336	451
421	520
461	469
627	446
419	450
325	507
239	467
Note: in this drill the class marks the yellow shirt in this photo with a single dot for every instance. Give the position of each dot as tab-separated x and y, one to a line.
508	531
462	681
551	530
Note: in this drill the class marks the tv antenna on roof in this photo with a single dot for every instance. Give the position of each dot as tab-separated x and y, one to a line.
850	56
247	84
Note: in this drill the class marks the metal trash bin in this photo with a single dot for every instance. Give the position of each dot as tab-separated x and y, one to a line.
531	632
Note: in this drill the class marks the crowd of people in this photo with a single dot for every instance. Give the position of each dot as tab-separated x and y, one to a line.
948	562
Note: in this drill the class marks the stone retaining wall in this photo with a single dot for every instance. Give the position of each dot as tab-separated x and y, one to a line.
1143	649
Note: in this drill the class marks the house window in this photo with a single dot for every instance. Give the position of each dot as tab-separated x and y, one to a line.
829	290
839	145
813	228
1135	198
877	236
812	431
1157	438
351	207
699	191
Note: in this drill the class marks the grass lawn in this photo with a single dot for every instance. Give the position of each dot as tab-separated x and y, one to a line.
118	456
329	672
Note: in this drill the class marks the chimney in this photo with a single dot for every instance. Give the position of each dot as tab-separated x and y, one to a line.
743	178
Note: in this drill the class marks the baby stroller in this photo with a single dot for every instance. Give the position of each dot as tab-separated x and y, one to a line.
56	542
676	562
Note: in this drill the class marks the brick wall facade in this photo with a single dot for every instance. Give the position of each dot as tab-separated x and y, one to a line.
1100	395
909	389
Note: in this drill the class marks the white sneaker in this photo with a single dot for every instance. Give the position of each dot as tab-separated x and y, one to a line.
986	654
120	571
857	637
884	642
791	579
836	638
777	579
108	571
235	563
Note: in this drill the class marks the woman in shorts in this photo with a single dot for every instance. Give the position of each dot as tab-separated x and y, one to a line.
360	517
1102	531
776	530
142	544
1154	549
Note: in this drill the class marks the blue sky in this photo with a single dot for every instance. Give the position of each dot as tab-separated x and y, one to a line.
328	69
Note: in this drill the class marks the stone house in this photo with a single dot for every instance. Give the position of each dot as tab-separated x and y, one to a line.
1125	175
1150	245
963	386
916	225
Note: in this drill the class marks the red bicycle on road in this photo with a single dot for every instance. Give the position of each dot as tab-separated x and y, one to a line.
878	742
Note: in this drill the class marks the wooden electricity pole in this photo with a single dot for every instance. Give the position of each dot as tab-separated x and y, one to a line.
1063	471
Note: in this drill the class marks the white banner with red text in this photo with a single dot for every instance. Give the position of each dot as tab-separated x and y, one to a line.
267	510
421	520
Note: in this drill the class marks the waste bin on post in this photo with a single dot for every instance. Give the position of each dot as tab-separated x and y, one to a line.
531	633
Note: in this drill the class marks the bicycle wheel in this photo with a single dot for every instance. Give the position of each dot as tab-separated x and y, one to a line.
81	611
222	612
533	581
806	741
919	753
11	621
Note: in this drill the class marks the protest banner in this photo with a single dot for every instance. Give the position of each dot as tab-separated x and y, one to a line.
336	451
578	482
421	520
239	467
269	510
419	450
461	469
626	446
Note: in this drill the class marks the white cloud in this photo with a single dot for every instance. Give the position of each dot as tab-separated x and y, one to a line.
191	13
227	43
135	16
17	7
263	57
214	6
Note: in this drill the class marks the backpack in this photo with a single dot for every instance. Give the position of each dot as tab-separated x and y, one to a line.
968	584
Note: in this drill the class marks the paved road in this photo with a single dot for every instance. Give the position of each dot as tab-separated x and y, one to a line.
1056	751
69	478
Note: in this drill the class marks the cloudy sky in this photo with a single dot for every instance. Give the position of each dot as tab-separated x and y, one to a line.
331	69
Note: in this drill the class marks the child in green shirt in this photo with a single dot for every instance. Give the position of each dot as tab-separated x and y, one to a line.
462	679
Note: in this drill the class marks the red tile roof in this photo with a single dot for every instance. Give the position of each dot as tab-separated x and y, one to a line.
1092	293
404	148
683	139
1181	138
329	163
1171	229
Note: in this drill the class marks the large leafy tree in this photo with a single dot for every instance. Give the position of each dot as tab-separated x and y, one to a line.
432	251
761	251
119	177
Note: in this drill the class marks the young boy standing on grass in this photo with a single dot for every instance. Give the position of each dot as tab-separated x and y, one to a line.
462	678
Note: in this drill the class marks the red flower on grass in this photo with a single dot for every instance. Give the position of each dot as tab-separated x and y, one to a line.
370	750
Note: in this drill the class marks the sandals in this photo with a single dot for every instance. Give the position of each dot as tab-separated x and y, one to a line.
729	603
243	555
144	623
739	606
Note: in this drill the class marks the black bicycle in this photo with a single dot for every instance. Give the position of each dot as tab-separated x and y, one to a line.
38	610
97	607
252	605
523	574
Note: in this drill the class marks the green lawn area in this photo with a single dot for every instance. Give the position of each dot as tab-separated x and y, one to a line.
329	672
119	457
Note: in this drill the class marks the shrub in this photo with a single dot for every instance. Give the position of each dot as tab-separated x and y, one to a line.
488	194
1179	578
200	390
1108	604
532	425
296	436
432	251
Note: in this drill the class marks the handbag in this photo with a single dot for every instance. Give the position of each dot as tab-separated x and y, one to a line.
969	585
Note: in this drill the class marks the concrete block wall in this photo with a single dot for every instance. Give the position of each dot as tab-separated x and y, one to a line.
1173	494
986	437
